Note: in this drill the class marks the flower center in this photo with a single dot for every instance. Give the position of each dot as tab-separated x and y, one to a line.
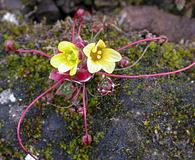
96	55
71	58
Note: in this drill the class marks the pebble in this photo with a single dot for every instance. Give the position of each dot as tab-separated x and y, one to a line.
7	96
9	17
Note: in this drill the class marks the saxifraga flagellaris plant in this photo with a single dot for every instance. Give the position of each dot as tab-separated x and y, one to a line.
76	63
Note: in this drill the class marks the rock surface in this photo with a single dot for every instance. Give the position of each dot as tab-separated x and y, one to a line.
47	9
160	22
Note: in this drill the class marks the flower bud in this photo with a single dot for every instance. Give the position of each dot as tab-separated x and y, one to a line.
106	86
163	40
80	110
87	139
80	12
9	45
72	110
124	62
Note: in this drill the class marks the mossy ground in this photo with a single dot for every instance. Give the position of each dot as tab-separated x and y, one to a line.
150	106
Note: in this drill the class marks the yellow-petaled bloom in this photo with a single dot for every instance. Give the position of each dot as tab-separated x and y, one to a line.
68	59
99	57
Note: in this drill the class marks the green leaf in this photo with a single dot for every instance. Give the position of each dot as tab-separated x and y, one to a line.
66	88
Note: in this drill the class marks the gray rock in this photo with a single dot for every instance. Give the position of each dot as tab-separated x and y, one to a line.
68	6
53	127
47	9
10	4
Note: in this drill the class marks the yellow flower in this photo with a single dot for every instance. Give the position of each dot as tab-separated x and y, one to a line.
100	57
67	60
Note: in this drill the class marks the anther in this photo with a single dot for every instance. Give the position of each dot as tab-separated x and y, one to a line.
99	57
99	52
69	57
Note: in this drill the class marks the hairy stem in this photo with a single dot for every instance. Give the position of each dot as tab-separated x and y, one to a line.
78	15
33	51
80	25
148	75
26	110
84	108
73	29
142	41
136	62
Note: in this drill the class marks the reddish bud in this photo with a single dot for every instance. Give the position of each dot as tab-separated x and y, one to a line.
87	139
163	40
72	110
9	45
124	62
80	110
80	12
106	86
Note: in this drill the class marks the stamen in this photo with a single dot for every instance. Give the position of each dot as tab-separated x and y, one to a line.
99	57
99	52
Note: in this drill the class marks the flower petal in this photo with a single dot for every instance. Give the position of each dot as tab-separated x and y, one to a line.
73	71
92	66
55	75
88	48
100	44
83	75
111	55
107	66
63	68
66	47
58	59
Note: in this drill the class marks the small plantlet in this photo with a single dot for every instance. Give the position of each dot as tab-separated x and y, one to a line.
106	86
76	63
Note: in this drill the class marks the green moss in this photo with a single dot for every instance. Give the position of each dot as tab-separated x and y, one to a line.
63	145
1	124
47	152
8	152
